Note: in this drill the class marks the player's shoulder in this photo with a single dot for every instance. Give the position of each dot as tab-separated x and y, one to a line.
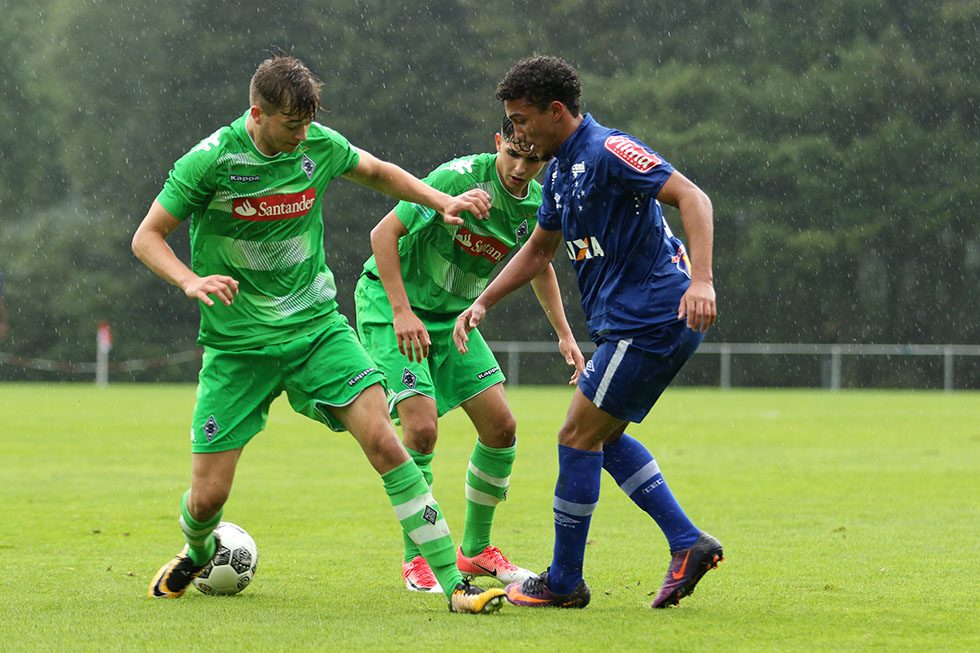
214	145
461	173
619	149
320	135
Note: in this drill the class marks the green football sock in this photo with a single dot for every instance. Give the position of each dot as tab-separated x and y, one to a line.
200	541
487	480
422	518
424	463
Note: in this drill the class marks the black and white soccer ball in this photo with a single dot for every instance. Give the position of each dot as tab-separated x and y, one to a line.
233	566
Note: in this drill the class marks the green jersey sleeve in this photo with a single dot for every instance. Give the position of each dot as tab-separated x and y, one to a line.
191	182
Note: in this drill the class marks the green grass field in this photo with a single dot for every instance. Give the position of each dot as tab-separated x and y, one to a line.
850	521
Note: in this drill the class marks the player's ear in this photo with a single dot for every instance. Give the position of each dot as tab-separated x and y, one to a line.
256	113
497	140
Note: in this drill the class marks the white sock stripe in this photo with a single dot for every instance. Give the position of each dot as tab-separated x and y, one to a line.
496	481
641	476
414	506
430	532
614	362
190	532
482	498
577	509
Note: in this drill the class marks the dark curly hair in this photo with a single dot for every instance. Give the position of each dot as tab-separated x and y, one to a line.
540	80
283	84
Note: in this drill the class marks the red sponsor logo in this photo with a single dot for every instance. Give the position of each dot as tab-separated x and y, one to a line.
632	153
274	207
486	246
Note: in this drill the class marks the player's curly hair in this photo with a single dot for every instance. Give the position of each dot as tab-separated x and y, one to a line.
540	80
283	84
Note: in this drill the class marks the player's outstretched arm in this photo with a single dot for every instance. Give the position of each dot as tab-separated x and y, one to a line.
395	182
528	263
698	304
150	246
545	287
411	334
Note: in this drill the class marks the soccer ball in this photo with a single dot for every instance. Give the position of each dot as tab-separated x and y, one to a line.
233	566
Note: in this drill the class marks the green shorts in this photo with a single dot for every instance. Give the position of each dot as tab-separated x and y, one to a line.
235	388
446	375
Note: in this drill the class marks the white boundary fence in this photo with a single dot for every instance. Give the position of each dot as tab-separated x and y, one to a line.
725	351
514	348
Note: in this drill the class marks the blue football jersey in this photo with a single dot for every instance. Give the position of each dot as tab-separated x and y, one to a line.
600	191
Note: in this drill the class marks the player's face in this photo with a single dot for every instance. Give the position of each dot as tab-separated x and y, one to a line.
537	128
278	133
517	165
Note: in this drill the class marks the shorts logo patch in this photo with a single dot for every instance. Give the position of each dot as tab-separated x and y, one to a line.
353	380
409	379
211	428
492	370
430	515
589	367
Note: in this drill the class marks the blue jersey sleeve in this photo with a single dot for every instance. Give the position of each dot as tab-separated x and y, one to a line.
548	218
634	166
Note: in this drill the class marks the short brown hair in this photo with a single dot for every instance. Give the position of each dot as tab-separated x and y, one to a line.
541	80
283	84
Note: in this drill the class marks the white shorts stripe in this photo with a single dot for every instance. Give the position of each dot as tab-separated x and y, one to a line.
641	476
607	377
577	509
430	532
496	481
481	498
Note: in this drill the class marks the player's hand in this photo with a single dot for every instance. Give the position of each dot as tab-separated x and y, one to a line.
223	287
475	201
466	322
573	356
698	306
413	337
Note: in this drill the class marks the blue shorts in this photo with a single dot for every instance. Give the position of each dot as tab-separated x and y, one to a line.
626	377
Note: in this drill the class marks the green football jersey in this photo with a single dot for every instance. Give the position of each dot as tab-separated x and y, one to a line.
445	267
257	219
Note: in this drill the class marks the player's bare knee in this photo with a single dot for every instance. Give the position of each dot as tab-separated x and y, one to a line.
501	433
421	435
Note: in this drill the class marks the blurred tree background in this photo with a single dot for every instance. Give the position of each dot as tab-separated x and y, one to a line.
839	141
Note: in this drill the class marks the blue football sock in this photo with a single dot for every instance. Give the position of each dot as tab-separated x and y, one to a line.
576	495
638	475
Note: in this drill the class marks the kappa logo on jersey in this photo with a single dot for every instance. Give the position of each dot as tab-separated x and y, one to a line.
409	379
521	232
632	153
274	207
486	246
211	428
308	167
243	178
462	166
584	248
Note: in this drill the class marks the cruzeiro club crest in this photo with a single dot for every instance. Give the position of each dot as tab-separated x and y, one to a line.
308	166
409	379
